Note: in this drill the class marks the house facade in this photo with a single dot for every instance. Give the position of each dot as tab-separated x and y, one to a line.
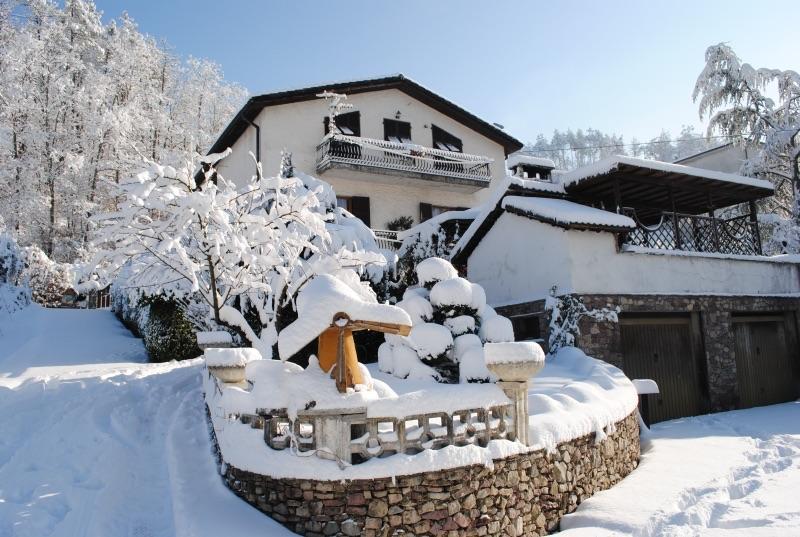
400	150
708	317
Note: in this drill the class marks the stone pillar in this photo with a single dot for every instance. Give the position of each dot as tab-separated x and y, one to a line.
518	393
332	431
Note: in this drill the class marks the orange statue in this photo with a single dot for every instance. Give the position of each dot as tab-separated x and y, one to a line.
336	349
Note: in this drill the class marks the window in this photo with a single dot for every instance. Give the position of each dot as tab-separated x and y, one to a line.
345	202
445	141
396	131
526	327
358	206
428	211
349	123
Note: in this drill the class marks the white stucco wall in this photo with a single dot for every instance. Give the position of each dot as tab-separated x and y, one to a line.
520	259
298	127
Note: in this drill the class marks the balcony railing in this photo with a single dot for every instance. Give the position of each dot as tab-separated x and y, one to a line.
386	239
675	231
406	159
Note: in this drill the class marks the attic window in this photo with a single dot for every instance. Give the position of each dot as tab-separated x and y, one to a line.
445	141
348	124
395	131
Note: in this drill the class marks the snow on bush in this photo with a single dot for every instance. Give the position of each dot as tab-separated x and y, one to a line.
434	269
14	294
450	321
48	279
496	329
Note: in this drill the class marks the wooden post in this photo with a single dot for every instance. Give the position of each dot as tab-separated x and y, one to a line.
755	229
675	227
714	231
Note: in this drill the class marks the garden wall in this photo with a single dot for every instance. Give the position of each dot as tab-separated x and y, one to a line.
525	494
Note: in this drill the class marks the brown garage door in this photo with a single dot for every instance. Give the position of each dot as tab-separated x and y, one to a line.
663	348
765	363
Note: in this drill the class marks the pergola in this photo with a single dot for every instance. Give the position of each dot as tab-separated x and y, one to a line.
659	195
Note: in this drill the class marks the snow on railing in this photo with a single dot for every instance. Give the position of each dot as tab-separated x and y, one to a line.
694	233
412	158
382	436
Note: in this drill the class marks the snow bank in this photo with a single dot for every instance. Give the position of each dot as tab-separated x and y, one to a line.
566	212
317	303
576	395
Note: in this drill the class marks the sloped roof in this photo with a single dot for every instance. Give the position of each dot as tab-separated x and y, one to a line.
566	214
399	82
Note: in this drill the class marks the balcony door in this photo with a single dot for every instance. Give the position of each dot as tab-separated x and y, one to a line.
444	141
348	124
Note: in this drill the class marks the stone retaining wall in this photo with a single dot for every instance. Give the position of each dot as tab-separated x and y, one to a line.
521	495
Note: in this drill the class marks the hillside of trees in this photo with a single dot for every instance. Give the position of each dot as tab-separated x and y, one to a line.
84	102
572	149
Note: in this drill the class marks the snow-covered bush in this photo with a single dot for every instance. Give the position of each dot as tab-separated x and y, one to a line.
566	312
48	279
14	294
451	321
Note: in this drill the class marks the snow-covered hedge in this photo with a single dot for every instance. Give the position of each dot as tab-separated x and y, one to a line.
450	322
14	294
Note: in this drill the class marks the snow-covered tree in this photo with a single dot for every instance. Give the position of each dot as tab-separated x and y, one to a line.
81	102
760	110
217	245
566	312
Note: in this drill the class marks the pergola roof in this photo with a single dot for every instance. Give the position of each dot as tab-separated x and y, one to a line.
652	186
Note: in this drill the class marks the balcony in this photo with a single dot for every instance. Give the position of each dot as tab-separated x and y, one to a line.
406	160
692	233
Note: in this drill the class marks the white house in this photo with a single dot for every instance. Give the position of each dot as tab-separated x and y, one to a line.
401	150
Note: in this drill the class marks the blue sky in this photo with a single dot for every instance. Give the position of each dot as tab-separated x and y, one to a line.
622	67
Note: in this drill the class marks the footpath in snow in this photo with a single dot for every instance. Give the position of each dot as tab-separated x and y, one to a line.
733	474
96	442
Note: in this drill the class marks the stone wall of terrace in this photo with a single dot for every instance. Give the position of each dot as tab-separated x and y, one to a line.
525	494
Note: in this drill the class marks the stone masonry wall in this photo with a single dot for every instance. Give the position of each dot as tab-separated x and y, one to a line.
523	495
603	340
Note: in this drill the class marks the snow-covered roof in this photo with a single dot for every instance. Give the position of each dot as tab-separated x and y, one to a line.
517	158
566	213
318	302
613	163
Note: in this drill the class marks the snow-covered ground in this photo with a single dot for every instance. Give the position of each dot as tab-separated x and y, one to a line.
94	442
733	473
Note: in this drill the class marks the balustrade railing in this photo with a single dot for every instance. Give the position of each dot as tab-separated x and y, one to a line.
387	239
369	437
412	158
675	231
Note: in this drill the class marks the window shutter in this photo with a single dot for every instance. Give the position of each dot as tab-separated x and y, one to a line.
425	211
360	208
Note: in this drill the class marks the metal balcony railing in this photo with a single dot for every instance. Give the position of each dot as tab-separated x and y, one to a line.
693	233
409	158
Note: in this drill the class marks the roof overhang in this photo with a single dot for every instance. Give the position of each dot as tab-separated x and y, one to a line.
652	186
253	107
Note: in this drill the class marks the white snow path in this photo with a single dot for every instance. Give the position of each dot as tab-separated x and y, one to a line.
733	473
105	449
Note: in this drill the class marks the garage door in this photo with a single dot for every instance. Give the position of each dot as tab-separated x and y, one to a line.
765	363
663	349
